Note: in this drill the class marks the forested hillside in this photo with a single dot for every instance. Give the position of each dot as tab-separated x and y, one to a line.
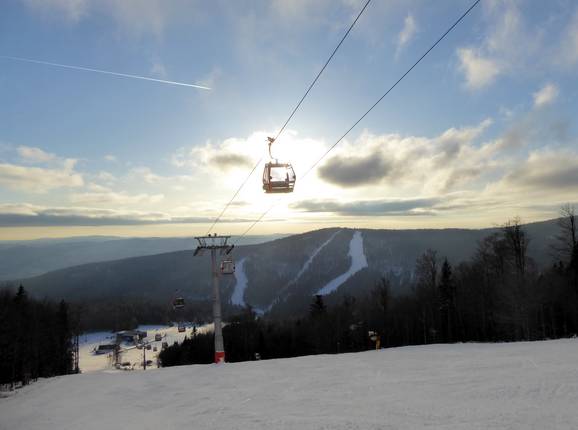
281	275
498	294
37	338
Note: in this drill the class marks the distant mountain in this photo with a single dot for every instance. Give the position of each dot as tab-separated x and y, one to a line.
279	275
23	259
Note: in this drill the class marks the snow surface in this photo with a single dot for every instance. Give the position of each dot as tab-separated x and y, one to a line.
90	362
529	385
238	297
358	262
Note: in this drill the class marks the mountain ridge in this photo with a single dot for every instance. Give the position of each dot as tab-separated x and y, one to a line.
281	271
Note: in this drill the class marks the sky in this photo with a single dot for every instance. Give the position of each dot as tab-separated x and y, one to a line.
481	131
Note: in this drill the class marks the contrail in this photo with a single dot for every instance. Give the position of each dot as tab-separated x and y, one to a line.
106	72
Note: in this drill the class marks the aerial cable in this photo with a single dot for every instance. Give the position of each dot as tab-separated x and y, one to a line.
271	140
368	111
323	68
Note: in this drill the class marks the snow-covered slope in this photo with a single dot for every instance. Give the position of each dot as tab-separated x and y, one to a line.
312	257
90	362
358	262
282	294
238	296
532	385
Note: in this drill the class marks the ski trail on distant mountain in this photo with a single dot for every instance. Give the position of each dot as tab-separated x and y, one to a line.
237	298
358	262
310	260
262	311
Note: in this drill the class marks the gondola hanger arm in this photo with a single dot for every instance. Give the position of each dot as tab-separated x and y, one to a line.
271	140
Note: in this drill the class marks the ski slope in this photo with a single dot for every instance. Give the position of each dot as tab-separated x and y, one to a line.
90	362
238	296
530	385
284	291
358	262
312	257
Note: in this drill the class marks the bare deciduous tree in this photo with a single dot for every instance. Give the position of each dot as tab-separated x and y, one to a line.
566	239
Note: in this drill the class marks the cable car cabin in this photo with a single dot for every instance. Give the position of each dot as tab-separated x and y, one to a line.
278	178
182	328
227	266
178	303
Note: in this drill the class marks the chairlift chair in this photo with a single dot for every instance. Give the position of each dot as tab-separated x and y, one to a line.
178	303
227	266
277	177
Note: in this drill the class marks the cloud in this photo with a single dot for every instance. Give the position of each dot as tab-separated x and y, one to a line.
145	174
508	46
230	161
479	71
352	171
434	164
27	215
546	95
34	155
407	32
407	207
232	153
99	195
40	180
545	170
111	158
106	177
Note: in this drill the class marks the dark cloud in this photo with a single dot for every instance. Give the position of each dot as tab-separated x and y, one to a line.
229	161
549	171
370	207
51	220
547	177
355	171
460	175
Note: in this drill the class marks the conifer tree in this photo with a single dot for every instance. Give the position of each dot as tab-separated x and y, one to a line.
446	292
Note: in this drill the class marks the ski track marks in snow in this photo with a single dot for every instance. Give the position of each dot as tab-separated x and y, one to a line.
237	298
358	262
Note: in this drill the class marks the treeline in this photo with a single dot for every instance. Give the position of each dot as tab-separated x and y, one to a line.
37	338
119	313
324	330
499	295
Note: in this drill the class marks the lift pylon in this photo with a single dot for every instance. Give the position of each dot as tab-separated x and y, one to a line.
216	245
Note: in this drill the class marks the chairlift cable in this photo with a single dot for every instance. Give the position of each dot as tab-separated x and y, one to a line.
292	113
322	69
368	111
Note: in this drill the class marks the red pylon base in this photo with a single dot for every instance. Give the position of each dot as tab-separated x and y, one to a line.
219	357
